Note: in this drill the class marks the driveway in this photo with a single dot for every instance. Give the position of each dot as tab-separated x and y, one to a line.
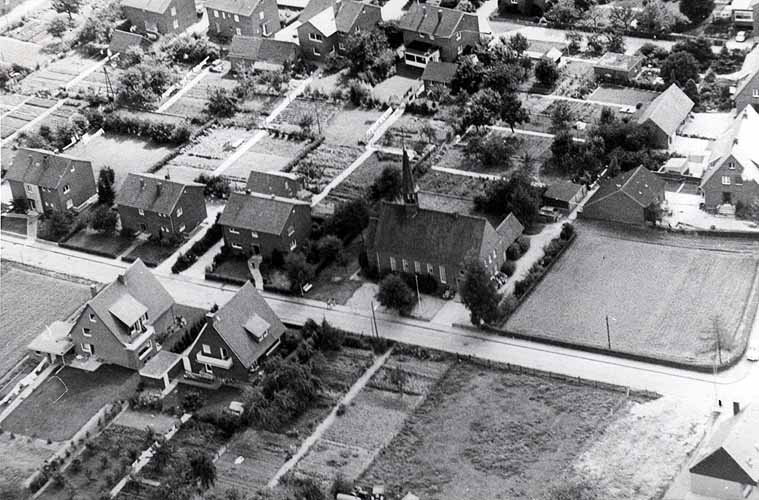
685	213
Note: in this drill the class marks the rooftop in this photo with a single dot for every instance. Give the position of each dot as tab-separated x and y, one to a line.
152	192
258	212
617	61
42	168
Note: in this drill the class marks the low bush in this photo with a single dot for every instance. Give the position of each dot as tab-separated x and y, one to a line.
508	268
524	244
567	231
514	252
210	238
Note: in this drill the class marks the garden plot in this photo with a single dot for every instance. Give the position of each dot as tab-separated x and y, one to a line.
28	55
21	115
357	184
415	133
192	104
452	184
56	74
21	457
316	112
325	163
372	419
681	289
123	153
622	95
208	151
540	109
30	302
487	433
349	126
268	154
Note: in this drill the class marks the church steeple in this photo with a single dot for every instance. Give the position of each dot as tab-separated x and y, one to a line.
409	187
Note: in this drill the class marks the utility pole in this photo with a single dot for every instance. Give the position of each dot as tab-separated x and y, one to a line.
374	322
608	332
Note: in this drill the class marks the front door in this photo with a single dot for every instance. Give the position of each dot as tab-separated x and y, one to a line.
256	250
727	197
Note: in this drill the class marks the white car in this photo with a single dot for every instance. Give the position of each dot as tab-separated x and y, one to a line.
752	354
740	37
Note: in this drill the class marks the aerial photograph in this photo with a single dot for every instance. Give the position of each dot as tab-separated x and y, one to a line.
379	250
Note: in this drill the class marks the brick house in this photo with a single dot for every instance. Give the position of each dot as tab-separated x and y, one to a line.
747	91
235	338
258	224
227	18
118	325
261	54
282	184
615	67
732	173
354	17
50	182
564	195
160	16
161	207
318	36
437	34
629	198
412	237
665	114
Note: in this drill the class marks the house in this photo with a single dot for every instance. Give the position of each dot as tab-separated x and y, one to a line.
564	195
407	236
50	182
159	206
437	34
162	371
632	197
54	342
318	35
727	467
282	184
439	73
235	339
121	41
747	91
325	25
260	224
353	17
160	16
665	114
261	54
227	18
743	14
119	324
732	172
616	67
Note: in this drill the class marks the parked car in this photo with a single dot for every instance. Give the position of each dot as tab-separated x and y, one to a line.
753	354
740	37
549	214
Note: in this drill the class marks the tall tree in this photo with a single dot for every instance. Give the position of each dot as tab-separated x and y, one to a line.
298	271
519	44
561	117
696	10
388	185
478	293
106	193
481	110
679	67
203	469
546	72
621	17
394	293
369	55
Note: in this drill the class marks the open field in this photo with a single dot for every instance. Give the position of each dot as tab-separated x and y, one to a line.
192	104
21	457
268	154
408	131
622	95
675	290
57	74
318	111
123	153
81	395
349	126
487	433
28	303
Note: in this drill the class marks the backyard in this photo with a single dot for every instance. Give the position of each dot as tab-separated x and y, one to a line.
59	407
29	302
21	457
677	290
357	184
452	184
268	154
91	241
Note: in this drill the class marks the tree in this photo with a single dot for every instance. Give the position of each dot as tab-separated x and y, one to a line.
546	72
491	149
621	17
561	117
388	185
105	220
298	271
478	293
330	249
58	26
481	109
106	193
701	49
162	454
468	76
615	42
696	10
141	85
394	293
510	110
220	103
575	41
369	55
678	68
429	132
58	225
516	195
691	90
519	44
563	13
654	18
68	7
203	469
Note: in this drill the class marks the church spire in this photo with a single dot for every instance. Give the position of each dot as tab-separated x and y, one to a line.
409	188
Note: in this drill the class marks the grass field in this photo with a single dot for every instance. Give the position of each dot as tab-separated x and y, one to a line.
21	457
660	298
87	240
486	433
81	395
268	154
349	126
28	303
452	184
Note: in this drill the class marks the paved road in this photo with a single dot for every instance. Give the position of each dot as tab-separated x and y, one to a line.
735	383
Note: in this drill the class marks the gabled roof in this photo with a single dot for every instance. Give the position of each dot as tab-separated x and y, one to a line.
439	72
640	184
137	289
349	11
282	184
123	40
668	110
42	168
247	309
618	61
157	6
563	190
439	22
160	364
741	141
324	22
749	80
257	212
732	453
239	7
315	7
254	48
151	192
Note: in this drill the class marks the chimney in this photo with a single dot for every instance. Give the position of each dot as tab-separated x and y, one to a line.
736	407
167	176
142	183
439	16
122	278
93	290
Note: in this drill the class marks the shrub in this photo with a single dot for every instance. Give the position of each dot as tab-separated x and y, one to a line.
567	231
394	293
192	402
215	185
508	268
524	244
507	306
514	252
105	220
330	249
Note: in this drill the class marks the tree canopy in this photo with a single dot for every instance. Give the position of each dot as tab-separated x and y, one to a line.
478	293
515	195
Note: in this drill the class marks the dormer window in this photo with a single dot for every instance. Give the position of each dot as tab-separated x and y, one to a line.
458	36
66	189
92	318
253	234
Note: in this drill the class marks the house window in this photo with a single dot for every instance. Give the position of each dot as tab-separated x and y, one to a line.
216	13
315	37
404	263
458	35
253	234
233	231
755	93
393	267
206	349
738	180
293	244
731	165
92	318
340	46
726	180
223	15
86	332
358	29
316	52
459	49
223	353
265	29
175	24
69	203
261	15
291	231
332	50
208	369
237	31
66	189
173	11
430	269
141	211
417	267
237	18
29	189
179	212
86	347
236	246
442	275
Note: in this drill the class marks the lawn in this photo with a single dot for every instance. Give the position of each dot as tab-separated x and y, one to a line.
28	303
394	88
349	126
81	395
268	154
90	241
318	111
24	54
660	298
487	433
334	281
622	95
152	253
123	153
21	457
14	224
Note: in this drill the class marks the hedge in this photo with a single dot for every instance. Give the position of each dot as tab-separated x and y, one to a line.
209	239
162	132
